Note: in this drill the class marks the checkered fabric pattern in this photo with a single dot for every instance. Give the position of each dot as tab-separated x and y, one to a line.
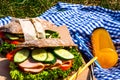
81	20
5	20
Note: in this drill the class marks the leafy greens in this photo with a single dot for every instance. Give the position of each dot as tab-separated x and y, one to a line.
6	47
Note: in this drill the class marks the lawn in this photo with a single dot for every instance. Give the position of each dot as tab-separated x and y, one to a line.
33	8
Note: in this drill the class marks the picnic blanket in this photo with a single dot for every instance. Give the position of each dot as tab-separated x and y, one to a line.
81	20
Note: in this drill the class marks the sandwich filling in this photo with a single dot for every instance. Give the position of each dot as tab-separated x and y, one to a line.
49	63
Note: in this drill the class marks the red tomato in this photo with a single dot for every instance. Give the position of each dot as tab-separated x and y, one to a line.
66	65
10	55
15	42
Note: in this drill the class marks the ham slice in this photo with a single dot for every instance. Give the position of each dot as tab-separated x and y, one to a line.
30	63
34	70
60	63
68	62
57	64
32	66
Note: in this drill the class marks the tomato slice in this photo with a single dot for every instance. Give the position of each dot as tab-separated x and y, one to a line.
15	42
66	65
11	54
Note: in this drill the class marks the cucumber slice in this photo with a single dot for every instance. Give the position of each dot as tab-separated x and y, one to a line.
12	37
50	58
21	55
39	54
63	54
20	35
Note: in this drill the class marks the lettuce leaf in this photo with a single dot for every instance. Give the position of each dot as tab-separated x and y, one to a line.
6	47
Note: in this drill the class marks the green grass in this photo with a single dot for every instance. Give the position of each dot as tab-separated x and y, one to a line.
33	8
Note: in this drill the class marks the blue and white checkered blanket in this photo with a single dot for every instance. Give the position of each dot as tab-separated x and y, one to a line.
81	20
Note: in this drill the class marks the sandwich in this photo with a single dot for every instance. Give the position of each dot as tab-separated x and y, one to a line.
20	30
51	56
